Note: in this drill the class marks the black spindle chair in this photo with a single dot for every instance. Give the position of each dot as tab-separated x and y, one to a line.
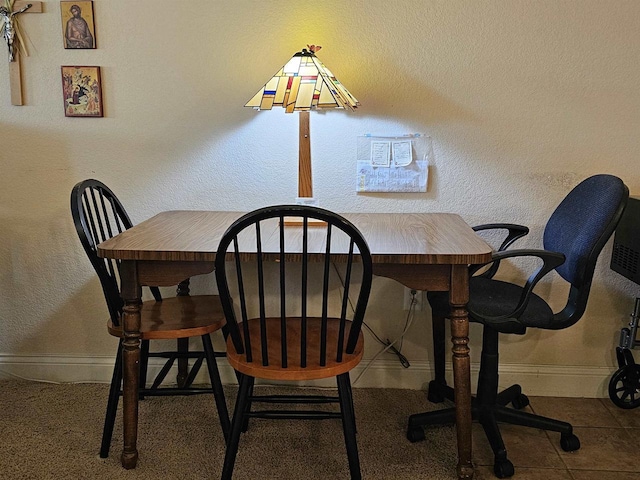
98	215
294	318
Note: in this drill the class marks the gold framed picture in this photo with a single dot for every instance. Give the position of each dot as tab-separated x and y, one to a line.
82	91
78	27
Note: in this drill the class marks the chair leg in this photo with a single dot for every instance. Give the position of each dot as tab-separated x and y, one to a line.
245	423
348	425
183	362
353	410
246	383
216	385
112	404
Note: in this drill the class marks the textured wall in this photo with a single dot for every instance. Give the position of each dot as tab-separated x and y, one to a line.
523	99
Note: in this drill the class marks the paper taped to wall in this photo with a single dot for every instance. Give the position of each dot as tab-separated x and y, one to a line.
393	163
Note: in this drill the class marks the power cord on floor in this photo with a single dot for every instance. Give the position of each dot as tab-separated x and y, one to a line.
403	360
388	345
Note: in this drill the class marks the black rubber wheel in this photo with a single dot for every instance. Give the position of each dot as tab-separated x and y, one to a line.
520	402
624	387
503	469
569	442
415	434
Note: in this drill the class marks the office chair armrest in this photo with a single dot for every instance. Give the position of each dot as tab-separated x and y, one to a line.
508	322
514	232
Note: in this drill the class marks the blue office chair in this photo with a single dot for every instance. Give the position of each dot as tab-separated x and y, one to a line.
573	238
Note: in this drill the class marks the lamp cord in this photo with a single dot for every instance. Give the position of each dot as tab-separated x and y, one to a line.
388	345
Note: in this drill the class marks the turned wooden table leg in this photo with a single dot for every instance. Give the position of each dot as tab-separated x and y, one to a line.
458	298
131	293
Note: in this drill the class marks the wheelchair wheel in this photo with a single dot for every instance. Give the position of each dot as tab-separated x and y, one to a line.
624	387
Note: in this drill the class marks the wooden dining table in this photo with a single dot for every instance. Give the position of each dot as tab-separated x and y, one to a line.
423	251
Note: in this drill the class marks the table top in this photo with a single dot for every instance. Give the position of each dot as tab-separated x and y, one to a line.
413	238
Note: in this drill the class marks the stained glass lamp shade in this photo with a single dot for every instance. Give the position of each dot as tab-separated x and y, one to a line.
302	84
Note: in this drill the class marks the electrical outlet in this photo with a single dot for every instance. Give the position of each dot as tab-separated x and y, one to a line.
420	298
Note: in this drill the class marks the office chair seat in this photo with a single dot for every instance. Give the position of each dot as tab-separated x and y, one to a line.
494	298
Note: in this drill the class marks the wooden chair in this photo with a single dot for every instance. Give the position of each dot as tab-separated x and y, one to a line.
98	215
296	325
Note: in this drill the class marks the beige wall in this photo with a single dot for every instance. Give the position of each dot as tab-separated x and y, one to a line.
523	99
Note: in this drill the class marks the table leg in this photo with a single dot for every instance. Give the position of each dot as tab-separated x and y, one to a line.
458	298
131	293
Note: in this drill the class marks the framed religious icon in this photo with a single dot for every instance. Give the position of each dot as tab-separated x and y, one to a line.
78	28
82	91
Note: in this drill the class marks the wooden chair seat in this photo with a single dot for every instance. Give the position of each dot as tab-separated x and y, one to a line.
177	317
294	370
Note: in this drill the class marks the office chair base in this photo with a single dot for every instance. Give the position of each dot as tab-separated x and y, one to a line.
489	413
439	391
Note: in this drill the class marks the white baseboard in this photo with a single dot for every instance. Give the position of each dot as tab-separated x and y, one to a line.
536	380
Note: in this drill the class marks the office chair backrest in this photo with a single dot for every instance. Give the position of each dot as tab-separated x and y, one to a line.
579	228
310	247
98	215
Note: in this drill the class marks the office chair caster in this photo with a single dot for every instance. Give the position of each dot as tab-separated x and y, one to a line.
503	468
520	401
415	434
569	442
624	387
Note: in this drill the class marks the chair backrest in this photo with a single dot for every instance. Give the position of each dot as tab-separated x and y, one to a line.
317	272
579	228
98	215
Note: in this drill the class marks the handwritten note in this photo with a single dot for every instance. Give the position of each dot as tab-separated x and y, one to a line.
401	153
380	154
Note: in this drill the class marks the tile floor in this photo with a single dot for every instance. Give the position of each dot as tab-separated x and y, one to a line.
609	437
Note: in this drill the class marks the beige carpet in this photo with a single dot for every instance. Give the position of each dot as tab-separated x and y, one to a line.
50	431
